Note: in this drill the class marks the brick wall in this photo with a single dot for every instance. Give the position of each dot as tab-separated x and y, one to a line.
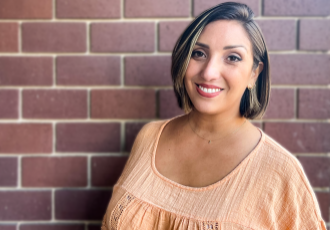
78	79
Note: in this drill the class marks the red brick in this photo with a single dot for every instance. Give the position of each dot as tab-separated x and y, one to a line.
56	226
16	71
54	104
88	9
7	226
314	34
279	34
160	8
81	204
54	37
317	170
314	103
324	203
126	103
26	9
300	137
300	69
88	137
25	205
44	171
8	36
26	138
168	104
296	7
8	171
202	5
8	103
131	131
148	71
281	104
123	37
107	170
169	33
88	70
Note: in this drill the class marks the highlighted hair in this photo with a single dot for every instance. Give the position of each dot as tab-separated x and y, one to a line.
184	46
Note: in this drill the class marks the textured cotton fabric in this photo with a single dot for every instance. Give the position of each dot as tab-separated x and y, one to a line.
267	190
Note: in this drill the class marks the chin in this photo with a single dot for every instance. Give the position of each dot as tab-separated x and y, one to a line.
207	109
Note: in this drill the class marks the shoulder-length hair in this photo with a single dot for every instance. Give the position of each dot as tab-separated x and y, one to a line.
184	46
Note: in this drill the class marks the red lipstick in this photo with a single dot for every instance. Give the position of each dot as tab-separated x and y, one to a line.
208	95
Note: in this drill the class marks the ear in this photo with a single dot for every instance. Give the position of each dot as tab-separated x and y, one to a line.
255	73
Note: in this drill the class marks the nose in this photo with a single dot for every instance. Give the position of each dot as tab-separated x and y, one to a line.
212	69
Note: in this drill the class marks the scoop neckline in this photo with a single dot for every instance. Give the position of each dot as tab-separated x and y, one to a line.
208	187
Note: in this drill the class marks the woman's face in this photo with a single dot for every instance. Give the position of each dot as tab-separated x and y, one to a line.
221	59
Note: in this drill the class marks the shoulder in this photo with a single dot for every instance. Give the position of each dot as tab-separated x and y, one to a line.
280	159
150	129
283	164
148	135
141	148
154	128
292	190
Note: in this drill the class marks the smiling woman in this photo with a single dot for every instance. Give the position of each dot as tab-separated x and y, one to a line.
211	168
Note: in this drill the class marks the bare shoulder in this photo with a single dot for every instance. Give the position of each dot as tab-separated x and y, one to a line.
173	128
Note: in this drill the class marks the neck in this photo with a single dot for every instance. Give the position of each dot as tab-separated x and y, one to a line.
215	125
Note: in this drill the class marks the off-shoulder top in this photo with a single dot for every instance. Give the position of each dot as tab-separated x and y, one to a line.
267	190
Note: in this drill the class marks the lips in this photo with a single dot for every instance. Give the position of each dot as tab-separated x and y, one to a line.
215	92
209	86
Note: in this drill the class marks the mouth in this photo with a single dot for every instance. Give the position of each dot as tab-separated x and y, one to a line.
209	89
208	92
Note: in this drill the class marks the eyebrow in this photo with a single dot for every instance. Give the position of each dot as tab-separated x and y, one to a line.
225	48
231	47
202	45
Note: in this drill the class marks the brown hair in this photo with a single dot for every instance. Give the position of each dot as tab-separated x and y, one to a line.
183	48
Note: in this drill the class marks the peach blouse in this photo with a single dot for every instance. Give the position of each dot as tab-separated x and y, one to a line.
267	190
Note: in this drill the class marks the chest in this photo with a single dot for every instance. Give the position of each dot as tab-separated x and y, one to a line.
198	164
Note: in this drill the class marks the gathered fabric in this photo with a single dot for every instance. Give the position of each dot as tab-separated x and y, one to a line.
267	190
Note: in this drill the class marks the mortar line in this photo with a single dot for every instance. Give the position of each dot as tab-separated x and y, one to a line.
164	53
122	136
122	10
110	120
157	37
88	38
19	172
89	106
20	103
122	71
151	19
20	38
54	11
54	63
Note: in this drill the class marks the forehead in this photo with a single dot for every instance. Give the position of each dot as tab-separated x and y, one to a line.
222	33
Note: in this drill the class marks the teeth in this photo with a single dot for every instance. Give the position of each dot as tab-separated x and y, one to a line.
208	90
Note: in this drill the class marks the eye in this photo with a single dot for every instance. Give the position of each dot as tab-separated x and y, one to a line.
234	58
197	54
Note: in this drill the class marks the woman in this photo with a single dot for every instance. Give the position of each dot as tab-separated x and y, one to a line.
211	168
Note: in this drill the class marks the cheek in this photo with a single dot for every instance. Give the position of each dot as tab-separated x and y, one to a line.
232	76
192	69
236	78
